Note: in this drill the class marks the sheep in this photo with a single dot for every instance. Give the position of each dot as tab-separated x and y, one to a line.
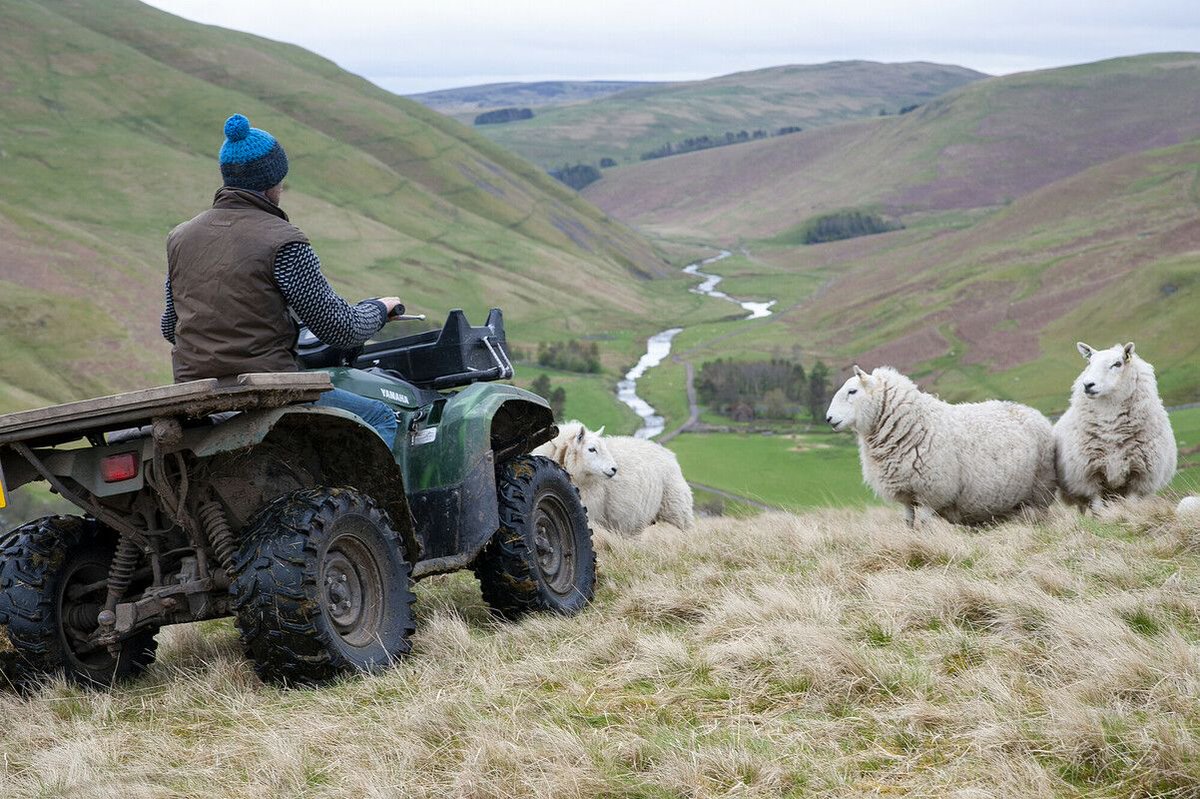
1188	508
970	464
626	483
1115	440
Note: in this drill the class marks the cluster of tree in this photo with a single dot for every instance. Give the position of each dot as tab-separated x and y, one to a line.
883	112
774	389
555	395
720	140
502	115
846	225
570	356
606	163
576	175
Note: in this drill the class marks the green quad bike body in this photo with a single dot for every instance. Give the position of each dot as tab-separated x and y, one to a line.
239	498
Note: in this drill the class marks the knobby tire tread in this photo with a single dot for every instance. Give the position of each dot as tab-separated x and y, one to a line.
276	586
29	559
506	568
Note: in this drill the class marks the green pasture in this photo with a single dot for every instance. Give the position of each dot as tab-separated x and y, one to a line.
789	471
1186	424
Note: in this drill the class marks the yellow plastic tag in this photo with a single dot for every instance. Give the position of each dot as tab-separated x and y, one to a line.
3	499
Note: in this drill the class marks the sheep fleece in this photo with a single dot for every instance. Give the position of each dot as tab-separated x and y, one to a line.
970	463
1115	447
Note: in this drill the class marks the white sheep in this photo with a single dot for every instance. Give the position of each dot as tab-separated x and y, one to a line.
626	483
1115	440
970	463
1188	508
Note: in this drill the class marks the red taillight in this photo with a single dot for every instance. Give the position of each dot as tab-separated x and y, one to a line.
116	468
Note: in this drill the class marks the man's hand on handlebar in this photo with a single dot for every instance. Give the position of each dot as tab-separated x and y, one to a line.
394	306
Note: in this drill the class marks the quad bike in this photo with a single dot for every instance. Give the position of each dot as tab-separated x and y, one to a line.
216	498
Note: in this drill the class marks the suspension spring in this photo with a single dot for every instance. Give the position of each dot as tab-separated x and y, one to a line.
212	516
120	571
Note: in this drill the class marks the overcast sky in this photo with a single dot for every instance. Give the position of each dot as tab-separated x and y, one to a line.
410	47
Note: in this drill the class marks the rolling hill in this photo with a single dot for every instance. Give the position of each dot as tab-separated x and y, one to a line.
623	126
1041	209
110	122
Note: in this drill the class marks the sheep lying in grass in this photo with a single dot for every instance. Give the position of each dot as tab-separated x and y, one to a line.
1188	507
626	483
969	463
1115	440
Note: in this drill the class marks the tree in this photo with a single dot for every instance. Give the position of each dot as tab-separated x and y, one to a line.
541	386
818	391
777	404
558	402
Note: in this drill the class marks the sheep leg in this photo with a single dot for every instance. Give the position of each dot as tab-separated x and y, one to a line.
1096	505
910	515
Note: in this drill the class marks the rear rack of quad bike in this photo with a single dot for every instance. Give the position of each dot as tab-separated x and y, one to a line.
456	355
192	400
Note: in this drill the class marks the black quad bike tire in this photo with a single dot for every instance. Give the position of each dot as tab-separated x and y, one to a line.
39	562
541	558
322	588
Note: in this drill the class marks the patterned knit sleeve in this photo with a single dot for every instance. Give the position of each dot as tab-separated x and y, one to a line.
308	293
167	323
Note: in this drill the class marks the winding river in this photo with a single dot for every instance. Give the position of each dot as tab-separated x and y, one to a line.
658	347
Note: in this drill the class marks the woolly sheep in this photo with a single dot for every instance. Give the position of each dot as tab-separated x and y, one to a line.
1115	439
626	483
1188	507
969	463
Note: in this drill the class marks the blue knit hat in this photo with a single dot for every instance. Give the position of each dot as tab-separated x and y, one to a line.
251	158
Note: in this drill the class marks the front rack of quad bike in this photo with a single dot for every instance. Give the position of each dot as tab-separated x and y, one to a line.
456	355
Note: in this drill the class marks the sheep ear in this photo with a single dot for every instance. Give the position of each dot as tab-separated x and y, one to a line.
1128	350
600	432
582	432
1084	350
862	376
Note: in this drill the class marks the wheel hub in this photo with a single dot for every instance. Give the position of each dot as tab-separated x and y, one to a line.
353	590
343	591
555	543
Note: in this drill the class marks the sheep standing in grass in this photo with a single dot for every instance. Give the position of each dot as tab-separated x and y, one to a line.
969	463
1115	439
626	483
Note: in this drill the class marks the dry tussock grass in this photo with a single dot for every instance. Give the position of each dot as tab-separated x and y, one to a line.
831	654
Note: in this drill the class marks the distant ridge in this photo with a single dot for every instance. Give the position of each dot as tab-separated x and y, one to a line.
624	125
467	101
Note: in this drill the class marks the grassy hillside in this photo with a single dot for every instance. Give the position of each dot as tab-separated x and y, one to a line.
1018	242
625	125
983	145
468	101
832	654
110	122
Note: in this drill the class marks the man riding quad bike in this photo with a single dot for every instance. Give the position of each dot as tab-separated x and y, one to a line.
294	518
297	482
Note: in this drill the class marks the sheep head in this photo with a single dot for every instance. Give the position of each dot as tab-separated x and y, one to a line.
1107	372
